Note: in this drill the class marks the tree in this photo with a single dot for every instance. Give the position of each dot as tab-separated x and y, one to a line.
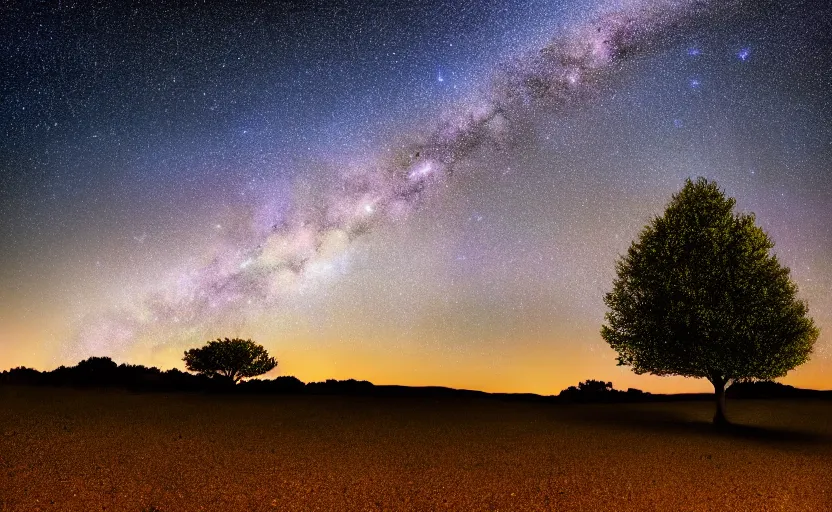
699	294
595	386
590	391
232	359
94	371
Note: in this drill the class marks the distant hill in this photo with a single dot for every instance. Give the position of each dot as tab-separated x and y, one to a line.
102	372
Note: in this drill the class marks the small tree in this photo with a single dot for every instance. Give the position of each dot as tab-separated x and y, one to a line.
95	371
595	386
700	295
590	391
233	359
101	366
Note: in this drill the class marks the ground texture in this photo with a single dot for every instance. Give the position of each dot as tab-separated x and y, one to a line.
104	450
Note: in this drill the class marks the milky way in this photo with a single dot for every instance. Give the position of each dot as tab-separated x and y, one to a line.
581	62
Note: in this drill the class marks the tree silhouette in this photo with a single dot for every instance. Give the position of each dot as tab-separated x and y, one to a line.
595	386
699	294
591	391
97	365
231	359
95	371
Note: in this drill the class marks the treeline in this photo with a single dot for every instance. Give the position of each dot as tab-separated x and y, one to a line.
102	372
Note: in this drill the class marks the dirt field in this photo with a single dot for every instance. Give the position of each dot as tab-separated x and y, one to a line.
101	450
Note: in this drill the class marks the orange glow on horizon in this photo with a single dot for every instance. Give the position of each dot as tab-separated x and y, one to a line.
535	370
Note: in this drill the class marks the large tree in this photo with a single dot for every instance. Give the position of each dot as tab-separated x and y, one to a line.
700	294
231	359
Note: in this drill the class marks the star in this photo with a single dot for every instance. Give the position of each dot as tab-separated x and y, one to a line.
744	54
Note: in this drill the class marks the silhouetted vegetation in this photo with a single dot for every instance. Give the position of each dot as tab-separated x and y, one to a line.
103	372
699	294
595	391
229	359
769	389
281	384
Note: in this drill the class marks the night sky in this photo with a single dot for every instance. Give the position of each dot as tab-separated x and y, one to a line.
419	193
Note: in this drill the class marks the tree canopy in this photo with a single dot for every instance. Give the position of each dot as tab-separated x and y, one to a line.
700	294
233	359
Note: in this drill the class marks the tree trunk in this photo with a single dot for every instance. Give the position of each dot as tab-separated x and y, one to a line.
720	420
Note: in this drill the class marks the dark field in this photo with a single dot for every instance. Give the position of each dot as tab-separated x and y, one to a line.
105	450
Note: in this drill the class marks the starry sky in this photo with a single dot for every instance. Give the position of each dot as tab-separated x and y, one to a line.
418	193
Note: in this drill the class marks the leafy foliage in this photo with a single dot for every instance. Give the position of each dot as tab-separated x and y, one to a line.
595	386
101	365
232	359
700	294
593	391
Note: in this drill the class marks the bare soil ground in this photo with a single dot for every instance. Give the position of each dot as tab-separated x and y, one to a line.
106	450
